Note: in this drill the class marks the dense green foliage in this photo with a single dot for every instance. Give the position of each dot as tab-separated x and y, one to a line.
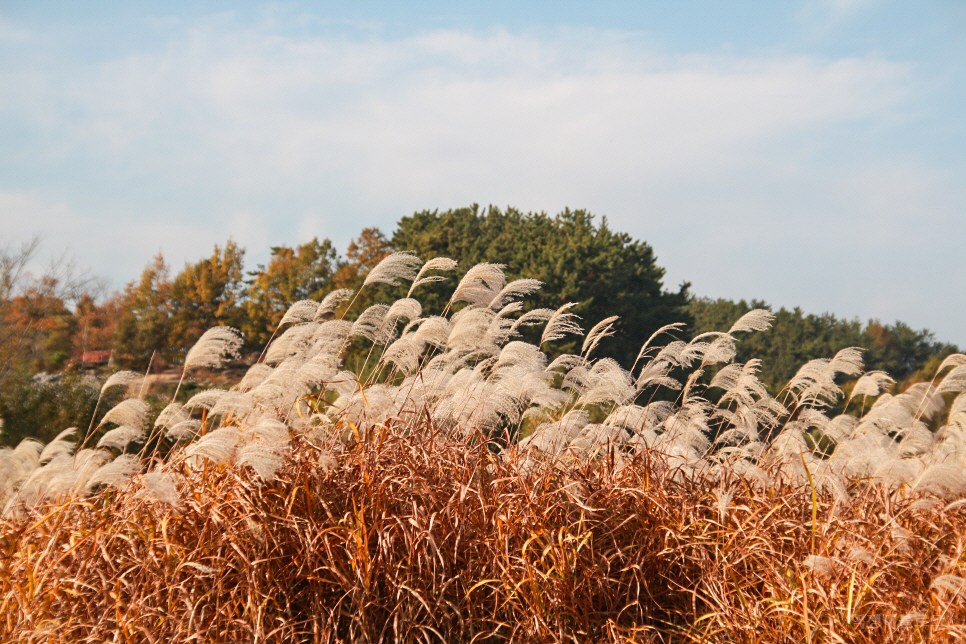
53	322
605	272
797	337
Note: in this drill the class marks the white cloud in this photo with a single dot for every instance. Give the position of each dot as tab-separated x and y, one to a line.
740	171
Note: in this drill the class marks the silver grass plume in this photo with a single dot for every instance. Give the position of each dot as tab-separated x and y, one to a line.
295	341
116	474
601	330
954	381
255	375
560	324
402	265
331	301
120	437
171	415
872	384
948	583
132	412
515	289
213	347
435	264
122	378
754	320
185	430
217	446
205	399
952	360
370	322
667	328
481	284
159	486
301	311
60	446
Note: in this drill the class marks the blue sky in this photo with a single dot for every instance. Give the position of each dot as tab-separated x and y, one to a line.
806	153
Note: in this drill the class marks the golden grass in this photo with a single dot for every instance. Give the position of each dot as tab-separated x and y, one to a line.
409	536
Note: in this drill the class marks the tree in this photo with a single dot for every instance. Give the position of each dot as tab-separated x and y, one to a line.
206	294
363	253
303	273
796	337
605	272
145	308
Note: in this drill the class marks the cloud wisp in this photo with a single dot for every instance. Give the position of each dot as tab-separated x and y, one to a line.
213	126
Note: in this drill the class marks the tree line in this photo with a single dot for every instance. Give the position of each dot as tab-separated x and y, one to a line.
63	321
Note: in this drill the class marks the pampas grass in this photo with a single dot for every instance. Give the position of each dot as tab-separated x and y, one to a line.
463	486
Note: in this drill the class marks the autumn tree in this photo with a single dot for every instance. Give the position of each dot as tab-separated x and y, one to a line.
144	322
303	273
206	294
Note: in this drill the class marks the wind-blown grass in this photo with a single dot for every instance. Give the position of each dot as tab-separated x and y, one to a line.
471	489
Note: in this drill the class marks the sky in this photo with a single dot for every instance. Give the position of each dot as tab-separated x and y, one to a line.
808	153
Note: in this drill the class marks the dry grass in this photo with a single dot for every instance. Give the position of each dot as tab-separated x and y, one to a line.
410	536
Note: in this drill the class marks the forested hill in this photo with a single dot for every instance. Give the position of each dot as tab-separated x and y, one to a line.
56	324
797	337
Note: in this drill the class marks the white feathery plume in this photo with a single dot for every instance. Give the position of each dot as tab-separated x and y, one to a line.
611	384
847	361
823	566
233	403
402	265
217	446
434	331
59	446
159	486
601	330
942	479
122	378
406	307
369	322
330	336
171	415
185	430
295	341
299	312
872	384
205	399
566	361
722	499
948	583
404	353
435	264
213	347
664	329
560	324
523	354
952	360
857	553
655	373
255	376
480	284
954	381
116	474
121	436
132	412
331	301
754	320
531	318
28	452
515	289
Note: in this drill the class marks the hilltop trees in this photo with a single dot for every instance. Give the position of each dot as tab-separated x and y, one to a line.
603	271
293	274
797	337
